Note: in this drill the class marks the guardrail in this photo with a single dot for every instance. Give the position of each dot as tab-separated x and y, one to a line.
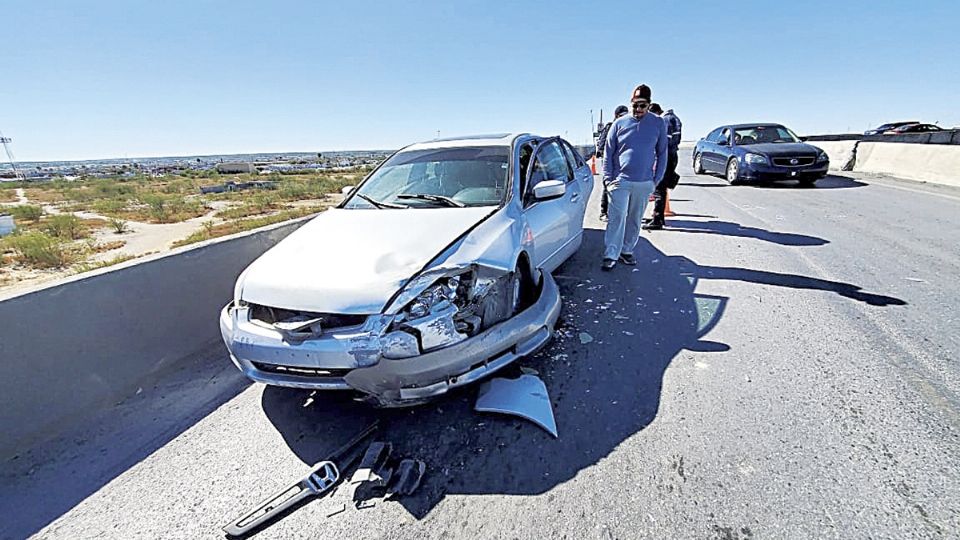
70	348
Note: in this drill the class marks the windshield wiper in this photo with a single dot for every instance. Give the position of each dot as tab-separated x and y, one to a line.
433	198
379	204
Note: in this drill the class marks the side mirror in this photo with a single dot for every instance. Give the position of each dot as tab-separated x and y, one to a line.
345	190
723	142
804	139
549	189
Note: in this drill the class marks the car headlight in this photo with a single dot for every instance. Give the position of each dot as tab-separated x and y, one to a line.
822	157
431	317
755	159
444	290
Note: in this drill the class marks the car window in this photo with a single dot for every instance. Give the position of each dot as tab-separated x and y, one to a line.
714	136
526	152
763	134
550	164
471	176
571	158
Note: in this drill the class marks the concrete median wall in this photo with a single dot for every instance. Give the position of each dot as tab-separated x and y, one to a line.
70	348
840	152
938	163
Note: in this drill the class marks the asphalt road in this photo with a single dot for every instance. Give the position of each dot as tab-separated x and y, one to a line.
782	363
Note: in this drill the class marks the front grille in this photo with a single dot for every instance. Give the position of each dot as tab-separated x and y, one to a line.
794	161
328	321
301	371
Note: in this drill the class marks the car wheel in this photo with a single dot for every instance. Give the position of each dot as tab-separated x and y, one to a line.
521	289
733	171
697	164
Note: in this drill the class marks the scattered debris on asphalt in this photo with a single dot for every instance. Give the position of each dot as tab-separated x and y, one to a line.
525	396
321	481
373	467
408	476
585	338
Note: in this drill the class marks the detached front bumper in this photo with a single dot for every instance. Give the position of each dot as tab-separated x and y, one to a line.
752	171
351	359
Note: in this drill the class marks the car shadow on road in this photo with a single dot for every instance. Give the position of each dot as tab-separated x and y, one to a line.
727	228
831	181
619	332
604	373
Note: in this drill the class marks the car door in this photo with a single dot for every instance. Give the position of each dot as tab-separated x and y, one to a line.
722	151
549	220
708	151
582	183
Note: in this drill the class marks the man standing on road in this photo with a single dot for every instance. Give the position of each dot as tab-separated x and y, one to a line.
634	145
601	142
670	177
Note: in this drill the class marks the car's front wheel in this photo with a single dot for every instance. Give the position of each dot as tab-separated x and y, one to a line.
733	171
521	289
697	164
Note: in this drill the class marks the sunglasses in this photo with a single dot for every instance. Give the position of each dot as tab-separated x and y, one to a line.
640	105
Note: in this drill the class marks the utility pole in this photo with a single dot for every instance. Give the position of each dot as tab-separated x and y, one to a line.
13	162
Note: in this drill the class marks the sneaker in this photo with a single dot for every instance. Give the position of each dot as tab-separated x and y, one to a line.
608	265
628	259
652	226
603	217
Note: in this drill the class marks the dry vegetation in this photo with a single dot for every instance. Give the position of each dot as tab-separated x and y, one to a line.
50	238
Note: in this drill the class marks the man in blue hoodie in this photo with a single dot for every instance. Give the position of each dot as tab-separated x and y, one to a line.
636	158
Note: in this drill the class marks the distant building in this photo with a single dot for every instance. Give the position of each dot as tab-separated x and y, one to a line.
236	167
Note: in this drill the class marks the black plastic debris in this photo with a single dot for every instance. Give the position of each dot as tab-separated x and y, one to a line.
408	475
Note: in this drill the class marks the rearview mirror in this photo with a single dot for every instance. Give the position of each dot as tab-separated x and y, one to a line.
346	189
549	189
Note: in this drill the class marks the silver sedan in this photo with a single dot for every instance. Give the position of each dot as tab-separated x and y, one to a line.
432	273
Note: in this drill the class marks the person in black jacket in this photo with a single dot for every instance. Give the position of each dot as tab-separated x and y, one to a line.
601	141
670	178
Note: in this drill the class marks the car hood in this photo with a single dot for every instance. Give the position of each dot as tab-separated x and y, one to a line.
353	261
782	149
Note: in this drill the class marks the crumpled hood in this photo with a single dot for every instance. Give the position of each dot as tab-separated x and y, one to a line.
353	261
783	149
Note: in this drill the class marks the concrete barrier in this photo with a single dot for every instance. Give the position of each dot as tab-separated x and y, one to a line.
70	348
840	152
936	163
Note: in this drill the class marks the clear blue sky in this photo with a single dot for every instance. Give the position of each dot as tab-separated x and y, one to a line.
98	79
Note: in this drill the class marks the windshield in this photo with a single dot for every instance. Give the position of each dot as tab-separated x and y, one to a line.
763	134
443	177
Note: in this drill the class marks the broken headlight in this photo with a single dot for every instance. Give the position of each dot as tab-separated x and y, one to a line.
449	289
433	319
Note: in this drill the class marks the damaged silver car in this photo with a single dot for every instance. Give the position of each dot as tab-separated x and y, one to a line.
432	273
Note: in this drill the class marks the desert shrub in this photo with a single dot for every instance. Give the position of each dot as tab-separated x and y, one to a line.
25	212
118	225
40	250
65	226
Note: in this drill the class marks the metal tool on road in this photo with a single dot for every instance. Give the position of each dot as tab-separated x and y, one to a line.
321	480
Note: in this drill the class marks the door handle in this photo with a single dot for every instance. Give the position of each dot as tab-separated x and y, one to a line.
574	197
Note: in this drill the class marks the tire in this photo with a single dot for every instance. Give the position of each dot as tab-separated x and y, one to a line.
521	289
733	171
697	164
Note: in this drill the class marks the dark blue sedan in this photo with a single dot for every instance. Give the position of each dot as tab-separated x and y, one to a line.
757	152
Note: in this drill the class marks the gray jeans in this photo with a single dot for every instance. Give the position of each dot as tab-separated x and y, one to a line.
628	200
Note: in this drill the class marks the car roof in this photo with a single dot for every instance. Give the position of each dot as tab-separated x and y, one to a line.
497	139
758	124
